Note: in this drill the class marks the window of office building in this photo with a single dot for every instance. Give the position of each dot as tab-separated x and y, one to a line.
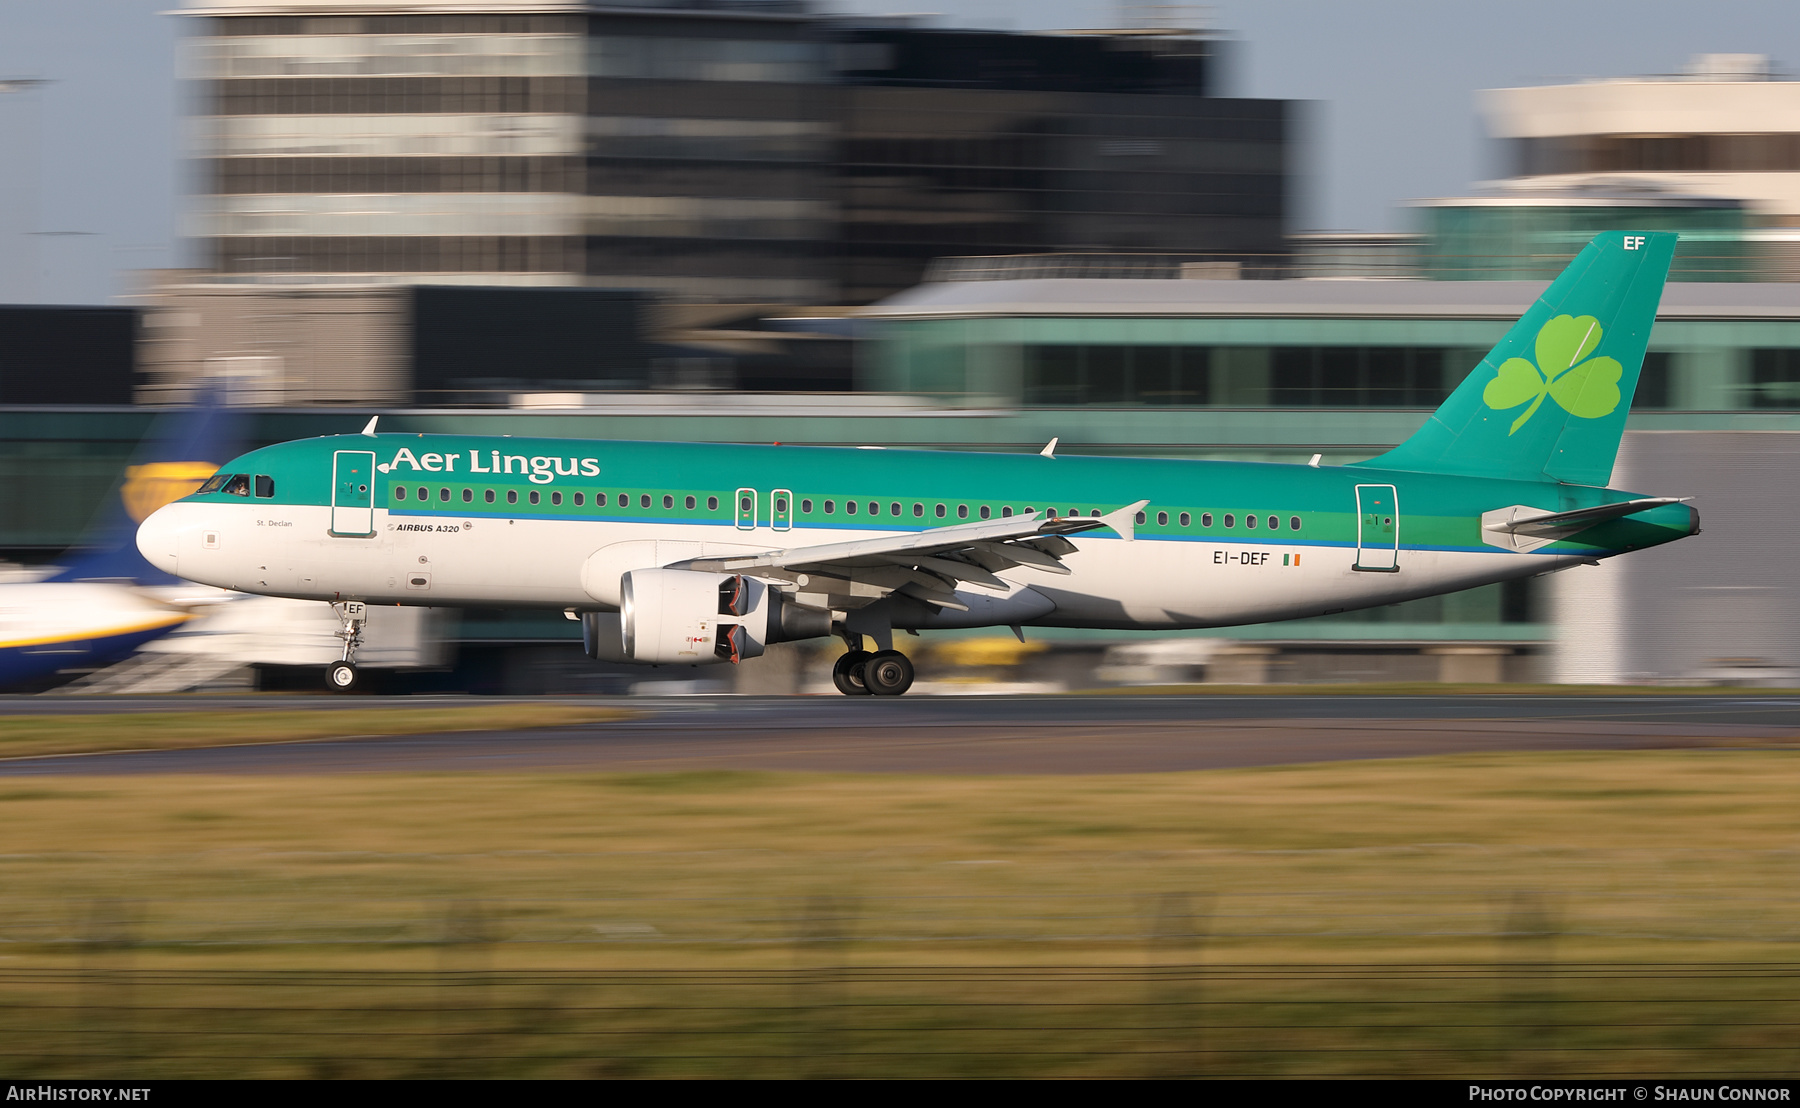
1356	377
1111	374
1655	389
1775	378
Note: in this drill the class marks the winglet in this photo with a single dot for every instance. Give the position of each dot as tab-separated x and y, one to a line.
370	429
1049	450
1315	460
1124	521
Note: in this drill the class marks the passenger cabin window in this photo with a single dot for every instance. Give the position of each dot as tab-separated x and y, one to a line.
488	495
1230	520
962	511
712	503
1274	523
579	500
399	492
468	496
668	502
1293	523
238	484
830	507
534	496
986	511
265	486
850	507
1249	521
556	498
644	500
805	507
512	496
1162	519
444	495
689	503
1205	519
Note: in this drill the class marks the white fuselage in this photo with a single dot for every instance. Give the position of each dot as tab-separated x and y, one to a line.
283	550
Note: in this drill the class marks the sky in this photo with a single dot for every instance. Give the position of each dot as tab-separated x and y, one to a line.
91	178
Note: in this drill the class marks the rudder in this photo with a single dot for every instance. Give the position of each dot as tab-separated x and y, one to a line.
1549	401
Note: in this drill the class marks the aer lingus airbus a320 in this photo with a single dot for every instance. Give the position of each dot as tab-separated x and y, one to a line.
696	554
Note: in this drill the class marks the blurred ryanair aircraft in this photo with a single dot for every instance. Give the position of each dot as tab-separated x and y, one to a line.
107	601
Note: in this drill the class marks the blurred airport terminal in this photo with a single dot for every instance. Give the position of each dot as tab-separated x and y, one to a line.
749	221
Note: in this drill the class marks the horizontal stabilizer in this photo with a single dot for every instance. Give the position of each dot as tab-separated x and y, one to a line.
1525	528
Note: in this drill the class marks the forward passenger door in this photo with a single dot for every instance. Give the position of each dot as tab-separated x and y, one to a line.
353	493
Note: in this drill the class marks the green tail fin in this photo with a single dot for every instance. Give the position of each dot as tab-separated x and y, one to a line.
1549	402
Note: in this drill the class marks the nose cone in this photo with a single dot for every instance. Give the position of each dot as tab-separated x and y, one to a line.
156	539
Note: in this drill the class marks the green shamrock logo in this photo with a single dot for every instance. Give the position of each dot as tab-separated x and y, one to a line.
1587	389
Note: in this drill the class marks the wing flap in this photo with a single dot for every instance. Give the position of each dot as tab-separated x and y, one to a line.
925	565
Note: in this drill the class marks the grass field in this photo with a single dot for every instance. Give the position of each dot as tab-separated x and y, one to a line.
1546	913
30	736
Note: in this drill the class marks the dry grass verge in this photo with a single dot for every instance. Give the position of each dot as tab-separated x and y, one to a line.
1631	913
34	736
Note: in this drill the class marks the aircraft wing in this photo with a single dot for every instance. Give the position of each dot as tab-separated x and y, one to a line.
1525	528
925	565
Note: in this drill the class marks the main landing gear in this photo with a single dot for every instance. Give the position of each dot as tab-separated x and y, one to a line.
883	673
340	676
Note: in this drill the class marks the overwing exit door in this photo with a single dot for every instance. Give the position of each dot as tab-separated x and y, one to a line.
746	509
1377	529
353	493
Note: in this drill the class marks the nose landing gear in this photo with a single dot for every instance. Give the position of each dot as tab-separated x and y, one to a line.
883	673
352	615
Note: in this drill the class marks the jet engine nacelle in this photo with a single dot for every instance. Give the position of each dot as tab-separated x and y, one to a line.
682	617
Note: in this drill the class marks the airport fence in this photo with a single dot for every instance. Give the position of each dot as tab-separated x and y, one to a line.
1165	984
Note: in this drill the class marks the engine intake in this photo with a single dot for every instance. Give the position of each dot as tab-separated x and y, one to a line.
683	617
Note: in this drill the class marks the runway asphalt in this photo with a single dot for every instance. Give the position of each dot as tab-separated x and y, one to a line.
980	735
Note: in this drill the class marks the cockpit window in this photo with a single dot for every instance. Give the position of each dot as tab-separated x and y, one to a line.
213	483
265	486
238	484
